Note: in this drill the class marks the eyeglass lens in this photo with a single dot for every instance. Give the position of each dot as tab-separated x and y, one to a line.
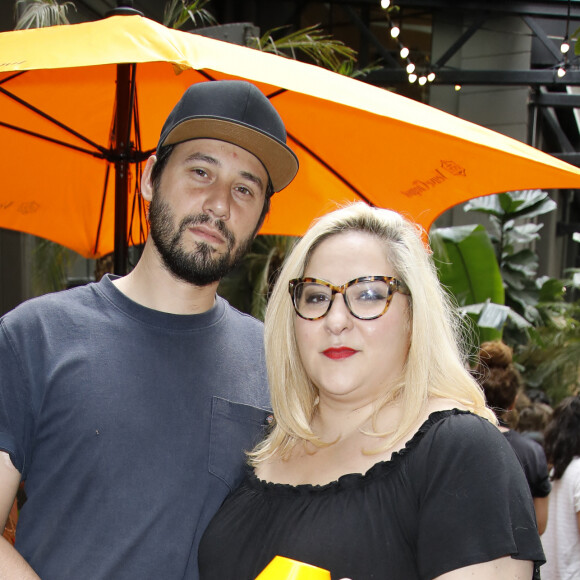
364	299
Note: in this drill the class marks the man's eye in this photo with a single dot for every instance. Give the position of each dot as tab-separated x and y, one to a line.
244	190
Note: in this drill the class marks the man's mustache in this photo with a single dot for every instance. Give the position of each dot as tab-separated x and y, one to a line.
219	225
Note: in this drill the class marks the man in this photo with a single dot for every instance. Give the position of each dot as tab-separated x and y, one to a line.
126	405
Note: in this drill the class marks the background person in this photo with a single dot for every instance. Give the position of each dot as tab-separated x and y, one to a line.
383	460
502	383
562	537
126	405
533	418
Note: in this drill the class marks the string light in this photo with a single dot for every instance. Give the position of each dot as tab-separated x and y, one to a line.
457	87
565	46
404	52
561	72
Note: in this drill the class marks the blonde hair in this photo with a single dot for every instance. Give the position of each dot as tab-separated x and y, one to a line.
435	365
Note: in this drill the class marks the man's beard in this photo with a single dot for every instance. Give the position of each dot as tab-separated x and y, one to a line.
196	266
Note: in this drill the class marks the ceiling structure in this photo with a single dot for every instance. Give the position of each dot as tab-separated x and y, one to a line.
363	25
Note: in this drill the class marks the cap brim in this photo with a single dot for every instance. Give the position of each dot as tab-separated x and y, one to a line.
279	160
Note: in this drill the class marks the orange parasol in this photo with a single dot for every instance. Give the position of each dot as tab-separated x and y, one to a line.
70	96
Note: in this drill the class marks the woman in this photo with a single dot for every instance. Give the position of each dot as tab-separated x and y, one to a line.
382	461
502	383
562	537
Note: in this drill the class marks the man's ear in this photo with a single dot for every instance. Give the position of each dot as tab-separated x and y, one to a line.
146	181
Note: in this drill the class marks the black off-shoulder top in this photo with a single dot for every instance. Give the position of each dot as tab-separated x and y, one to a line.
455	495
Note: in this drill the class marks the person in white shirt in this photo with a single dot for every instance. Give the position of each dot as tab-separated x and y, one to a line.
561	540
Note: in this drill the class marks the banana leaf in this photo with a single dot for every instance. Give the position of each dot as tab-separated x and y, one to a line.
468	268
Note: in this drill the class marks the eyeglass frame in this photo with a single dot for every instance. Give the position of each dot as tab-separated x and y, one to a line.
395	285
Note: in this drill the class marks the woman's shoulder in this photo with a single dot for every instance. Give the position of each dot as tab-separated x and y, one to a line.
459	440
573	468
460	426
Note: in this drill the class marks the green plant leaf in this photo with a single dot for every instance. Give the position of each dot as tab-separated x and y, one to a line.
489	204
178	12
467	265
513	204
552	290
524	233
524	261
509	204
312	41
529	203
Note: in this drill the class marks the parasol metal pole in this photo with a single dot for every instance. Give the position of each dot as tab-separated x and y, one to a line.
122	133
122	167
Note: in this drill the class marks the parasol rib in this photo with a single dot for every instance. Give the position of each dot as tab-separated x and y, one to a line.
53	140
361	195
54	121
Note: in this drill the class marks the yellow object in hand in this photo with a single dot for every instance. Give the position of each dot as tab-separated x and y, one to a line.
281	568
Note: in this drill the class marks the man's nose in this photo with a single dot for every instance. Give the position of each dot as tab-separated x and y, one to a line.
217	201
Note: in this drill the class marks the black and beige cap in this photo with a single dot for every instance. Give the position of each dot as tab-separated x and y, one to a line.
239	113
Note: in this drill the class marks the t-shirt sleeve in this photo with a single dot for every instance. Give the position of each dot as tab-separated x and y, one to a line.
15	408
473	499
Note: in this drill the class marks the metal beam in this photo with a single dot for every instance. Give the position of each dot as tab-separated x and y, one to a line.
564	145
363	28
571	158
475	26
563	100
557	9
543	38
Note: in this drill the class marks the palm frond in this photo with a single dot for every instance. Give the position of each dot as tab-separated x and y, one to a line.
51	264
249	287
41	13
178	12
348	69
312	41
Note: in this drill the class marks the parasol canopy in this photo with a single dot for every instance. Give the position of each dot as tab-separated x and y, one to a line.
82	106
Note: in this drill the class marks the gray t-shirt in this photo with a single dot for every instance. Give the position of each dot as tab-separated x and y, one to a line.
128	426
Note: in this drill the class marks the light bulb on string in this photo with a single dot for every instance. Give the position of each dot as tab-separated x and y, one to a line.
565	46
410	68
412	77
422	80
431	77
385	4
404	52
395	31
561	72
457	88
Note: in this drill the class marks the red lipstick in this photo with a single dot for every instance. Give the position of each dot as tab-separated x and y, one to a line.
339	353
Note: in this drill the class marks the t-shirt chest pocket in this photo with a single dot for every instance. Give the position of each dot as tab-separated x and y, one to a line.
235	429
